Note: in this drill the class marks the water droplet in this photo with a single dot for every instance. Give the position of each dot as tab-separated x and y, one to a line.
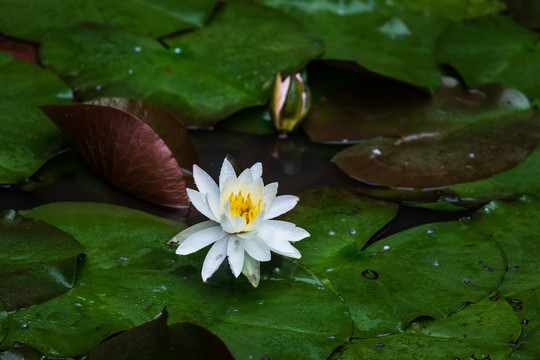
124	258
25	326
471	155
517	267
98	87
352	232
329	270
380	344
137	49
260	302
331	233
162	287
490	269
435	263
276	270
173	260
235	310
431	232
177	50
376	152
130	71
184	277
466	281
524	322
386	247
370	274
82	284
331	337
78	304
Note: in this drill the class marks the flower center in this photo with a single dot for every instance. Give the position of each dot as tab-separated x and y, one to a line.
244	206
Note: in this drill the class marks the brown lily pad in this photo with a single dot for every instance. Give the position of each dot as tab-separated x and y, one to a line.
471	153
136	146
370	107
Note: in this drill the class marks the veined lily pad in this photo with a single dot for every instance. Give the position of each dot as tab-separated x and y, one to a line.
376	283
37	261
151	18
493	49
28	138
129	275
205	76
136	146
485	330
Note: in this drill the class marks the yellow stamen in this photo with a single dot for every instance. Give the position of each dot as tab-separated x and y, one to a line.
244	206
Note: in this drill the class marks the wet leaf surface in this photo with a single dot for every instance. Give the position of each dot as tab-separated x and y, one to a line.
23	87
151	18
37	261
511	49
368	107
203	77
376	283
514	226
484	330
395	39
473	152
126	151
129	275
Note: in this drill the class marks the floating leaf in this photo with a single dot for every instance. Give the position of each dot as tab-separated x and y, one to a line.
125	149
369	107
37	261
23	87
474	152
205	76
129	275
386	38
480	331
19	49
400	277
3	322
493	49
151	18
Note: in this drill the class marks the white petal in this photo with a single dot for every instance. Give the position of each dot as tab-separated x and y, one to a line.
281	205
286	249
231	186
235	253
257	248
200	239
256	170
184	234
231	224
201	203
245	177
213	204
269	194
214	258
252	270
282	230
204	182
254	224
227	172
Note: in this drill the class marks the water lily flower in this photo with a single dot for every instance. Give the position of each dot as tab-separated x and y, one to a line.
241	226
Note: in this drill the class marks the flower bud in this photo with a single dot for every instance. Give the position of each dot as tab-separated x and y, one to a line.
290	102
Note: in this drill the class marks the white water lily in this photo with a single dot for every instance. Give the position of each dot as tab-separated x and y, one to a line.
241	228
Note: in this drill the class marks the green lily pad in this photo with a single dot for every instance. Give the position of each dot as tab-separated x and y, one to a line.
384	37
151	18
205	76
129	275
37	261
400	277
493	49
3	322
485	330
515	227
474	152
456	10
23	87
369	107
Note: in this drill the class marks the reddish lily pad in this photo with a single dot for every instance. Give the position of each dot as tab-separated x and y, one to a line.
474	152
370	107
127	151
20	50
